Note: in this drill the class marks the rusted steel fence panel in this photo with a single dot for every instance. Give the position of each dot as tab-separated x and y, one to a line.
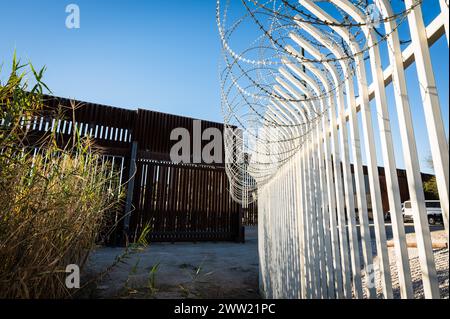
179	201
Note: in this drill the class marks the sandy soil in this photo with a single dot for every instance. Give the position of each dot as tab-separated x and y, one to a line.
223	270
180	270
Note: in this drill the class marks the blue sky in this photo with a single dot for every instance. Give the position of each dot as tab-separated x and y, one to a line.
159	55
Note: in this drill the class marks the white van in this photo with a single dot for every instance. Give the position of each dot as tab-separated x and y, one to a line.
434	211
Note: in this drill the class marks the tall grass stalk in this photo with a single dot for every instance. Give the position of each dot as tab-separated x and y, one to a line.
54	200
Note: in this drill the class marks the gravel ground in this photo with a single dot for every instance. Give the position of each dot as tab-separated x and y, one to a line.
441	260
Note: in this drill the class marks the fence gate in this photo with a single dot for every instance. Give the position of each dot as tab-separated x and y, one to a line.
183	202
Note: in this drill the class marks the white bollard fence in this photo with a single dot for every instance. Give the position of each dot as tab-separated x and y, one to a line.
308	175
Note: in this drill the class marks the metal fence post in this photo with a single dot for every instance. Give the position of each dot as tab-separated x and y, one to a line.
130	190
241	228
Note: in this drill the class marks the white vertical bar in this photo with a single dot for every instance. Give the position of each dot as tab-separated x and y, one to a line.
346	270
444	11
318	254
370	144
433	117
323	233
350	200
360	188
303	264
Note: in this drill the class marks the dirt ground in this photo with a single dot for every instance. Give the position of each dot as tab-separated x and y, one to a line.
220	270
180	270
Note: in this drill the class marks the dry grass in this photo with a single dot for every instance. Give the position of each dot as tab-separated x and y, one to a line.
52	204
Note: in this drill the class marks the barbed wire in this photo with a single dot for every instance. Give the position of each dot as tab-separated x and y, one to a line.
266	85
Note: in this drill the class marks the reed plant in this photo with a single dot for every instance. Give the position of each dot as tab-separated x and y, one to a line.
54	200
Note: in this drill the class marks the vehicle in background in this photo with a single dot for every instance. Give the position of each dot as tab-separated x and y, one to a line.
433	207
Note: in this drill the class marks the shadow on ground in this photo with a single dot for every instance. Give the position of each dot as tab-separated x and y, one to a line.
180	270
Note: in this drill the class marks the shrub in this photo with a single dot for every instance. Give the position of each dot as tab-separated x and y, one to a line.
430	188
53	199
